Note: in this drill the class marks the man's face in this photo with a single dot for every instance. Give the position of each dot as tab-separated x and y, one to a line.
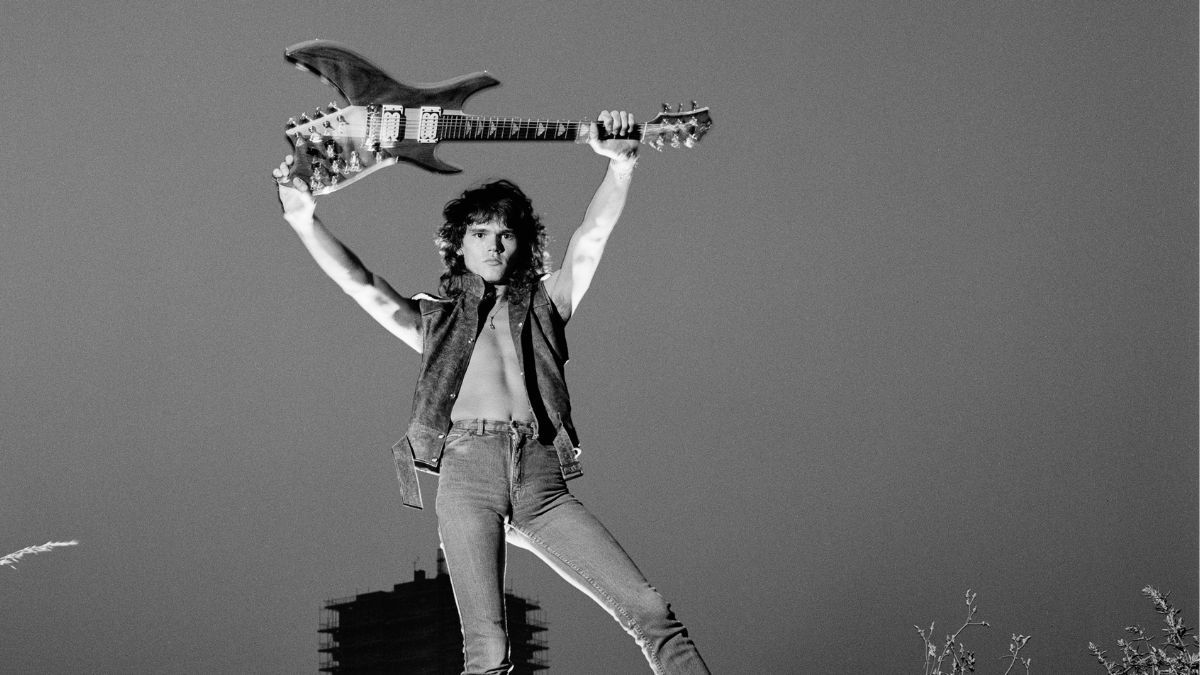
487	248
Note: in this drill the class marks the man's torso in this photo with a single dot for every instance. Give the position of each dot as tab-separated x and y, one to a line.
493	386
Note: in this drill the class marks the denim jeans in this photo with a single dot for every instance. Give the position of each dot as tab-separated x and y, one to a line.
498	483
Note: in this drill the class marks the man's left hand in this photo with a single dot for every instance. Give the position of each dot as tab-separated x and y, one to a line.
616	123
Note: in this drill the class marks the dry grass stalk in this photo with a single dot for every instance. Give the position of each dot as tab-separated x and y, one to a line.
12	558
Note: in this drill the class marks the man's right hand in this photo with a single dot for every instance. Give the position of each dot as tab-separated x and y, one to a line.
295	199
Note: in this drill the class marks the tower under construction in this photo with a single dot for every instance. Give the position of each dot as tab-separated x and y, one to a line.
414	628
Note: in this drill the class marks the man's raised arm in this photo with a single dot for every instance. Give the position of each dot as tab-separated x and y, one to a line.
400	315
568	284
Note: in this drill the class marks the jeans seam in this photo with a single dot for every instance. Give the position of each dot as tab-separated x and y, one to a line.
637	627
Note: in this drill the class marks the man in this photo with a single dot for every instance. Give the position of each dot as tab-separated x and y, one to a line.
491	414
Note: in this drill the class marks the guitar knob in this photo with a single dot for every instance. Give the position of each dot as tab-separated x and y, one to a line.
657	144
355	163
689	142
314	138
318	176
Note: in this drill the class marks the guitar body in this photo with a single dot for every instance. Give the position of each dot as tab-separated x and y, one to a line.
387	121
362	83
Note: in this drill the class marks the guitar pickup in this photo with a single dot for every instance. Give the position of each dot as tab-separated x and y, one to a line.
427	125
384	127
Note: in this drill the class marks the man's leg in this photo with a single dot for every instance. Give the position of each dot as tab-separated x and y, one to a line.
471	507
549	521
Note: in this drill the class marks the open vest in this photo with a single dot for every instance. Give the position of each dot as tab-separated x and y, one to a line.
449	328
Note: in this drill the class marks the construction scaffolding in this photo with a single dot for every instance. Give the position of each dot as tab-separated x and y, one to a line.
414	628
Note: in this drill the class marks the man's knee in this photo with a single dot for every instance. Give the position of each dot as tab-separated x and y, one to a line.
649	609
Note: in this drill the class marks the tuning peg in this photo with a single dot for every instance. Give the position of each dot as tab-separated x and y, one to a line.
304	118
695	105
666	107
680	108
291	123
332	107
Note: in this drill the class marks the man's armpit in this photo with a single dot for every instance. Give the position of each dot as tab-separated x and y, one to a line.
558	289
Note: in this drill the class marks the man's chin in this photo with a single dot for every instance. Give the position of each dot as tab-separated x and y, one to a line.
493	275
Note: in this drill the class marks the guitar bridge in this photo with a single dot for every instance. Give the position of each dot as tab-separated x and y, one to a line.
385	125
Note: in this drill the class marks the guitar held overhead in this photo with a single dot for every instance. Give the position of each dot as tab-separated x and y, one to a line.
385	121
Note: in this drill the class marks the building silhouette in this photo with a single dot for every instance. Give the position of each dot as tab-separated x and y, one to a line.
414	628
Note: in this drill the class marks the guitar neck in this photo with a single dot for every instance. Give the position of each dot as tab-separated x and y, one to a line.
457	127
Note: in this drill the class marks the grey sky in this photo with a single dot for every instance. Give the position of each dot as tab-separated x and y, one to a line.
919	315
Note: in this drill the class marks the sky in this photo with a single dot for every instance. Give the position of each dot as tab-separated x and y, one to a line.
917	316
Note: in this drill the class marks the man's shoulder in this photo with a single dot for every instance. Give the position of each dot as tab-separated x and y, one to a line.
429	303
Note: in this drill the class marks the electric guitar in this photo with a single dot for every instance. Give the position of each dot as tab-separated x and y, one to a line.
386	121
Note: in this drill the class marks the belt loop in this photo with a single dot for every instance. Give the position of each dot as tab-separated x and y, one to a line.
480	427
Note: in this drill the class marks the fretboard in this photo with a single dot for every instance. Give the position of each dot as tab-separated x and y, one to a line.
480	128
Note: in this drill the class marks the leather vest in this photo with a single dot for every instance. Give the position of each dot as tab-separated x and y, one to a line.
449	328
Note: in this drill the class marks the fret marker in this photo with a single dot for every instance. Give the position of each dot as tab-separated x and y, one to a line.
541	129
492	129
562	129
515	128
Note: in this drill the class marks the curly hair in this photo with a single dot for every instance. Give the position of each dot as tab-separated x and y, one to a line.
502	201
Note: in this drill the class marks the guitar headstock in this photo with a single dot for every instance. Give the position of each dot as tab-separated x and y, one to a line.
334	147
676	128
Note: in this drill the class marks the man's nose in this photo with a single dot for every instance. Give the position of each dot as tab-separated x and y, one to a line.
497	245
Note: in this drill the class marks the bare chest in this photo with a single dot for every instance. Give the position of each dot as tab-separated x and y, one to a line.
493	386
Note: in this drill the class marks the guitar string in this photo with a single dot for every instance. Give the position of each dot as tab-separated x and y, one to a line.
463	126
479	126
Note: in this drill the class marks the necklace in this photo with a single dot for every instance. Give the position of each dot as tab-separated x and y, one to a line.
492	317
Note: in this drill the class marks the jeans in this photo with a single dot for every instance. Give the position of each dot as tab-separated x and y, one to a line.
497	483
